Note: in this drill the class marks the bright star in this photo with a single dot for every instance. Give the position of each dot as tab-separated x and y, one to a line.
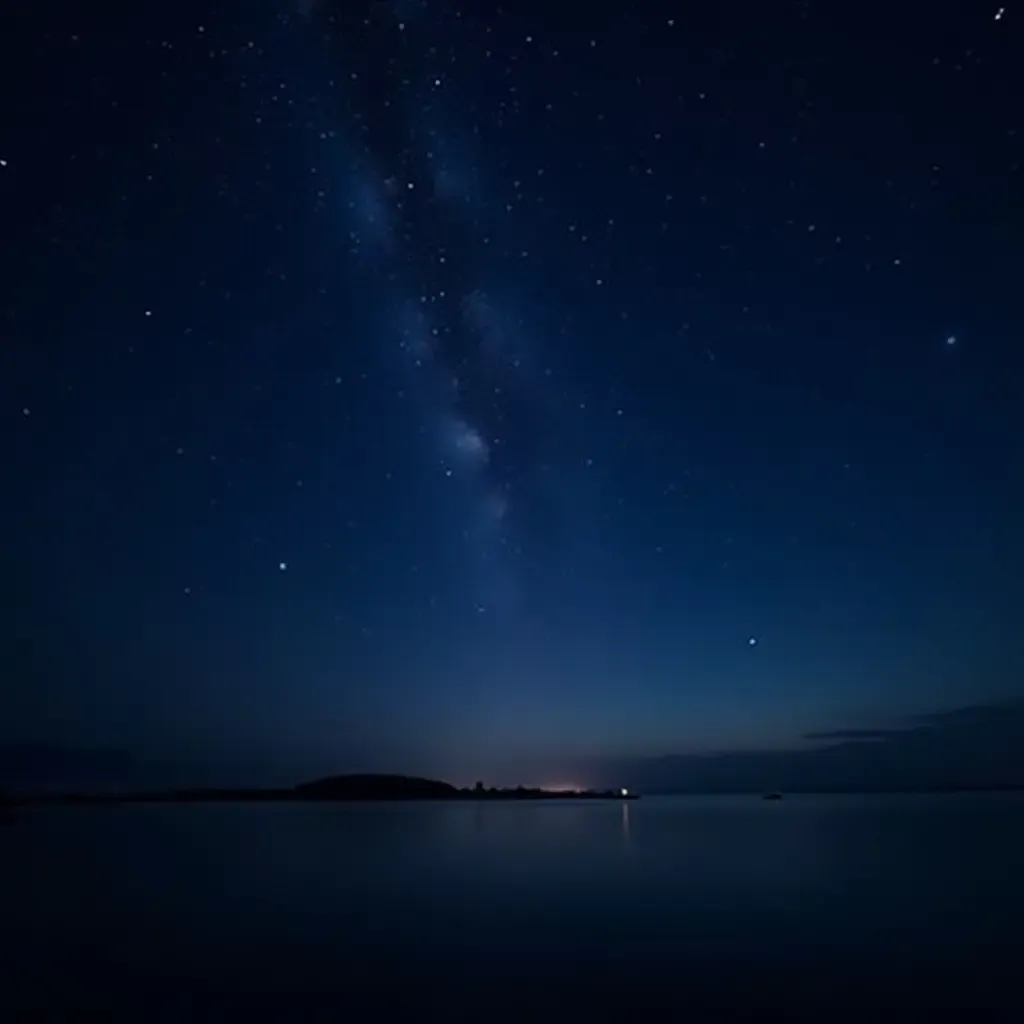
282	566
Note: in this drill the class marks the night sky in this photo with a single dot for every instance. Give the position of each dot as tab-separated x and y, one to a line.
479	391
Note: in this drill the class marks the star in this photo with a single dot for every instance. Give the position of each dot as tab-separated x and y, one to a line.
951	340
752	641
282	566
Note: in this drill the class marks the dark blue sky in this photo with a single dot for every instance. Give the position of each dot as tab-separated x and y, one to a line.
468	391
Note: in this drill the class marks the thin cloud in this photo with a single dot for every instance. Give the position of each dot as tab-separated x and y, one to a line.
851	734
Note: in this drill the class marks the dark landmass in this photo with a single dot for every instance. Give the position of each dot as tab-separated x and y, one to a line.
338	788
979	748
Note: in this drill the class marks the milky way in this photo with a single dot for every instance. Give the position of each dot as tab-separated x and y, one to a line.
334	326
428	240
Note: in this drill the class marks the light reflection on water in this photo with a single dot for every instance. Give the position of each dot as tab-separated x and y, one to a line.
236	906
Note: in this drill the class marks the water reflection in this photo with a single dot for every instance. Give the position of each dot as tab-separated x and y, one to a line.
327	899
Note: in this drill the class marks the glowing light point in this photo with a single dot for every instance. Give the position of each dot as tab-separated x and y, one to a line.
282	566
623	791
951	340
752	641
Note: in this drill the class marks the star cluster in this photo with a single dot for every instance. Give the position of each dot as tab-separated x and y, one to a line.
453	384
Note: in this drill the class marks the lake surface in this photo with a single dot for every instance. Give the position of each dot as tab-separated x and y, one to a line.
714	906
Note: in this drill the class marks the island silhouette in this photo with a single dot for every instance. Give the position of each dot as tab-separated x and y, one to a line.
334	788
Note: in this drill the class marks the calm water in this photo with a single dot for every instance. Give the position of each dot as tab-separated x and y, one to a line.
519	912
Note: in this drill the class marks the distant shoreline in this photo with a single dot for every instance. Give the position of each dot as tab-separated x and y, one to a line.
285	796
388	788
337	789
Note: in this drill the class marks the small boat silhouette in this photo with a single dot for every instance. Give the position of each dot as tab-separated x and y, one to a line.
774	795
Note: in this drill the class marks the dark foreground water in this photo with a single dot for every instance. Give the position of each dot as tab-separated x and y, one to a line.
714	908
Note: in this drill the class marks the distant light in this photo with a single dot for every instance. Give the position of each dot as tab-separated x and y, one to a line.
951	340
623	791
1000	13
282	566
752	641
